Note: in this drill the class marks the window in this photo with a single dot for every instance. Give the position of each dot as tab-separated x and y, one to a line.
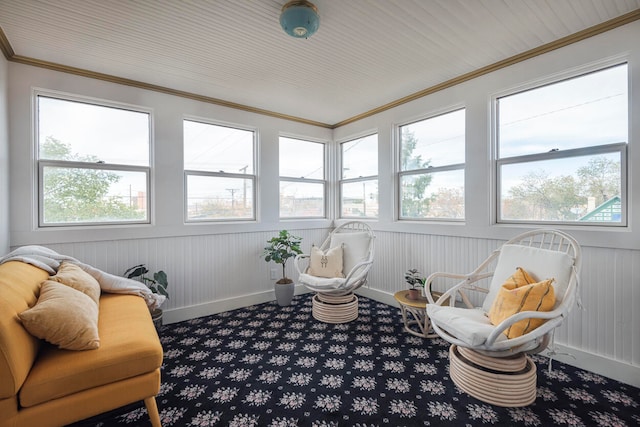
359	180
561	151
93	163
219	172
302	179
431	178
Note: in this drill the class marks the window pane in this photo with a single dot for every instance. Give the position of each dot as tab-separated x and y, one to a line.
360	157
433	195
436	141
360	199
585	188
75	195
301	159
215	148
301	199
218	197
584	111
76	131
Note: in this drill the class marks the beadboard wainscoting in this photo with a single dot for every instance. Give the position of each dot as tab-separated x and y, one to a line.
218	272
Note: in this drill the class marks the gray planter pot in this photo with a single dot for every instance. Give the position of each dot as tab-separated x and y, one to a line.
284	293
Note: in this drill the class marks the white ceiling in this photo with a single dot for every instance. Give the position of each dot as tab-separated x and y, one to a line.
366	54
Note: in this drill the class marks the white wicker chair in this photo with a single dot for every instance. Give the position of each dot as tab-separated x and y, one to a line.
334	301
483	361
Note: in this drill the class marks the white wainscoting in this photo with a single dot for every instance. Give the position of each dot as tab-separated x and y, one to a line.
218	272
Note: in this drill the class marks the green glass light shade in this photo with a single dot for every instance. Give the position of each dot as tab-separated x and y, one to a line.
299	18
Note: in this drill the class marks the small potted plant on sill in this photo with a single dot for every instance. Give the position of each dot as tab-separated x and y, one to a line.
416	281
157	284
280	249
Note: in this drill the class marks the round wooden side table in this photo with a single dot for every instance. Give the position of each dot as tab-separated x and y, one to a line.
414	315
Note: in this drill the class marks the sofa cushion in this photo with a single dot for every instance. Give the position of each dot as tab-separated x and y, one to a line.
63	316
19	288
129	346
72	275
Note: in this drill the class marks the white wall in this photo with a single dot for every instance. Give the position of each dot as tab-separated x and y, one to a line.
214	267
4	158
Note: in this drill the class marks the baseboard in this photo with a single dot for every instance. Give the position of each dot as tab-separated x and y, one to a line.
219	306
600	365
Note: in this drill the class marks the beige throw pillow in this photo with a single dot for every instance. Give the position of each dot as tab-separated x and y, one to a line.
72	275
326	264
64	317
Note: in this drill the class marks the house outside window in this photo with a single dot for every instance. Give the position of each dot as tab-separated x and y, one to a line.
302	178
432	161
359	178
219	172
93	162
561	151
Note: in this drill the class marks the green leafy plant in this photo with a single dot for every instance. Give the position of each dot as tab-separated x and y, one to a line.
157	283
280	249
414	278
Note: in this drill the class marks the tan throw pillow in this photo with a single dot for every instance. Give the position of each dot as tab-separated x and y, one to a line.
522	293
72	275
64	317
326	264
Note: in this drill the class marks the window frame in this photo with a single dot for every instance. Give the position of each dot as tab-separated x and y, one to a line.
342	180
555	154
222	174
41	164
323	181
428	170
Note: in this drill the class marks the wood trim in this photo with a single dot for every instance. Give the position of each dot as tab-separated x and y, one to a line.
557	44
611	24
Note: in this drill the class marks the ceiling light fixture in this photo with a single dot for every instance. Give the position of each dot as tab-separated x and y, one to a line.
300	19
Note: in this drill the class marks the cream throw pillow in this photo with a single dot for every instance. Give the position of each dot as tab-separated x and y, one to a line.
326	264
72	275
64	317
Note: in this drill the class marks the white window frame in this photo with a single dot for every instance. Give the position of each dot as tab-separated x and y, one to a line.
560	154
223	174
342	181
425	171
306	180
43	163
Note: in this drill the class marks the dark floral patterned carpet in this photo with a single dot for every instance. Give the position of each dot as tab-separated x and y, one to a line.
267	365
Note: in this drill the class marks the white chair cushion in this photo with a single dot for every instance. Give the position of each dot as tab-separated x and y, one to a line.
469	325
540	263
356	248
319	283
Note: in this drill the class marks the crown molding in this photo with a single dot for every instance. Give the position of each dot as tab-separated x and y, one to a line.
609	25
557	44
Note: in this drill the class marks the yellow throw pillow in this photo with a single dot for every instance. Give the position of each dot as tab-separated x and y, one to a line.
64	317
326	264
72	275
519	293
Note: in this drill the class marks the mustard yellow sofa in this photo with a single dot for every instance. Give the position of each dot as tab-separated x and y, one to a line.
42	385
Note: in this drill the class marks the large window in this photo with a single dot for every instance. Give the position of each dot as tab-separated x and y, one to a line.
93	163
431	178
359	180
219	172
561	151
302	178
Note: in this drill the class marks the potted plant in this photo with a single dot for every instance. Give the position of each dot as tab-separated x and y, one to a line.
416	281
157	284
280	249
